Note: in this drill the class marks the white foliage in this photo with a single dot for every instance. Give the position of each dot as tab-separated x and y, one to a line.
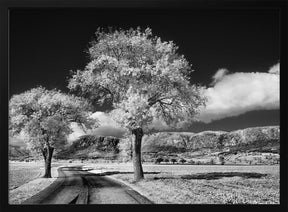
43	116
143	77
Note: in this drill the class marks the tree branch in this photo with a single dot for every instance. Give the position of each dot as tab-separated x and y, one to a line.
163	109
153	100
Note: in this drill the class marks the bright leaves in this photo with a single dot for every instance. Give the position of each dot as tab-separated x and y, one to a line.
143	77
44	116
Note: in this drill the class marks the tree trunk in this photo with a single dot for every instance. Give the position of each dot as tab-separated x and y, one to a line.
138	171
47	154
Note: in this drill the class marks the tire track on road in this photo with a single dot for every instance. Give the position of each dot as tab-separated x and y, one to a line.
77	186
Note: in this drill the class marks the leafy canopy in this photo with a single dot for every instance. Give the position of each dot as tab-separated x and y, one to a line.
44	116
143	77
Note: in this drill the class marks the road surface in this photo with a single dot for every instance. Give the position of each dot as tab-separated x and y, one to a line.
77	186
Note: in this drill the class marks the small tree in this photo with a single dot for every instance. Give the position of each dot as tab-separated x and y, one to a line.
44	118
143	78
222	159
212	162
221	140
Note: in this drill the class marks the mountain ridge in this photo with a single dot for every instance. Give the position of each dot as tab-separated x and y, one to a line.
188	145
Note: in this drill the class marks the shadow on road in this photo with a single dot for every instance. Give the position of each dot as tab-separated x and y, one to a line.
81	171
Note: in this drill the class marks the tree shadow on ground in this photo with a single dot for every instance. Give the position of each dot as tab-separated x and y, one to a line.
216	176
121	172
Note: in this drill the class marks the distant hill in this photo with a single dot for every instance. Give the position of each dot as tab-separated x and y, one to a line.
259	140
91	147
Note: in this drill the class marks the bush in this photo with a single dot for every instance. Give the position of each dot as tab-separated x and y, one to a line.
173	160
159	160
166	160
182	160
192	162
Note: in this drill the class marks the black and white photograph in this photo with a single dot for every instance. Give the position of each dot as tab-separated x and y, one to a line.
144	106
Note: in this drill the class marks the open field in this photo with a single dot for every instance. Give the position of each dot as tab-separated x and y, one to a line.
23	172
211	185
208	184
183	184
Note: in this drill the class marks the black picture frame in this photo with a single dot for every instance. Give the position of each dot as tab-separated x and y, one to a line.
9	5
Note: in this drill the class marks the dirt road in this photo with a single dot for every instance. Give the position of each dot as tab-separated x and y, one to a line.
77	186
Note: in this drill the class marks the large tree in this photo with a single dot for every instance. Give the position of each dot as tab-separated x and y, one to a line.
144	78
44	117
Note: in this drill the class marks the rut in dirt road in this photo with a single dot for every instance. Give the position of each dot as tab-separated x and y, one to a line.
76	186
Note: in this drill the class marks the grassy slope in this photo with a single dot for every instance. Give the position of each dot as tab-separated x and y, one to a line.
91	146
25	180
21	173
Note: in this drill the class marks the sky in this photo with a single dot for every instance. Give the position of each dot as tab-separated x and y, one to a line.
234	53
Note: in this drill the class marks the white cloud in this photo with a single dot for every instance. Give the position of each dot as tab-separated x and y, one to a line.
238	93
158	125
275	69
77	132
108	127
219	75
104	119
